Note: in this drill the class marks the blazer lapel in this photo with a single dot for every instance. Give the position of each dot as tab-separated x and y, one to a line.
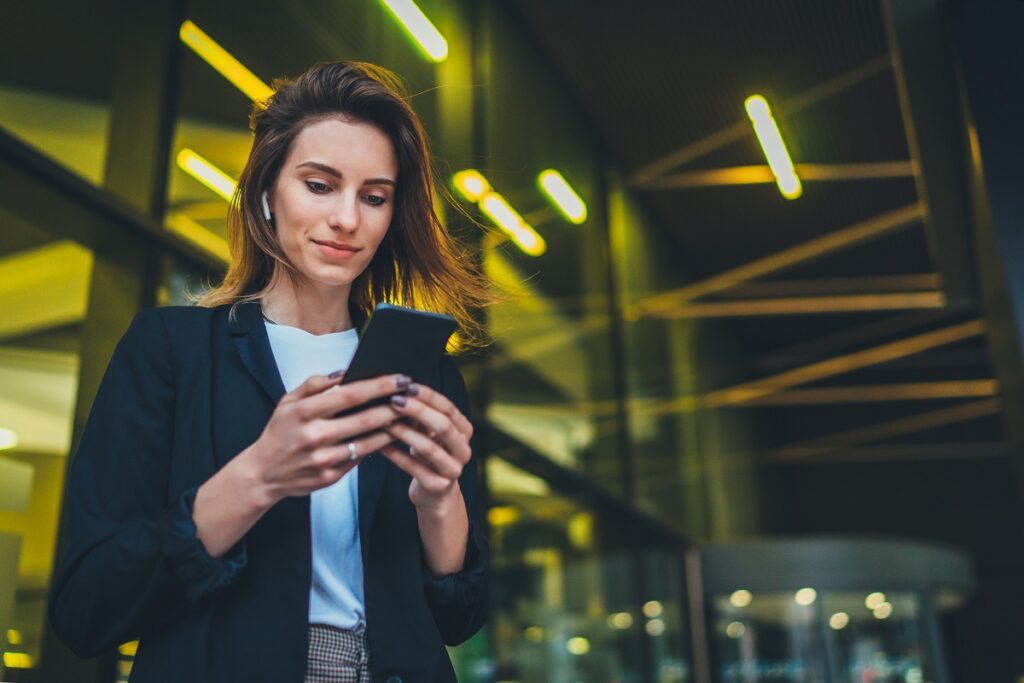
250	337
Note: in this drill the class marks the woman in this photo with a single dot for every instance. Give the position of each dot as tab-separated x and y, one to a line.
216	508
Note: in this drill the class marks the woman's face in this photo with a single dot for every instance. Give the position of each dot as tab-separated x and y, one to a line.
333	199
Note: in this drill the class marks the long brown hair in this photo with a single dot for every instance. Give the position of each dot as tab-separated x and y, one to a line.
418	263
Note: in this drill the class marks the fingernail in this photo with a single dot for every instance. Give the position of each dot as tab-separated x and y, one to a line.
413	389
399	401
336	374
402	381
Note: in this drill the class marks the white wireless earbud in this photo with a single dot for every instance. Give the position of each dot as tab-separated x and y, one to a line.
266	207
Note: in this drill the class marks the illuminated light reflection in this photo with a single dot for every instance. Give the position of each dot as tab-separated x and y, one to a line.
505	217
420	28
129	649
874	600
223	62
8	439
503	515
14	636
805	596
578	646
839	620
560	192
883	611
652	608
741	598
18	660
620	620
206	173
655	627
534	634
735	630
767	131
471	184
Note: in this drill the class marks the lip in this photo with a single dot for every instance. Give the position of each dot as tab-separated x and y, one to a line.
336	250
337	246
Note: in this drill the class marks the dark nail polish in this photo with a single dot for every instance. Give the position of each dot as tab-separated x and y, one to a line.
413	389
399	401
402	381
336	374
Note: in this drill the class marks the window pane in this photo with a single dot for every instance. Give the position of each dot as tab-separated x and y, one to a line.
56	81
44	299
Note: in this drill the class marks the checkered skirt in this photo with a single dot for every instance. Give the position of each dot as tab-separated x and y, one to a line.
337	655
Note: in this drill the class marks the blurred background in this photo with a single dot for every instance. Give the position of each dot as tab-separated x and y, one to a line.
754	408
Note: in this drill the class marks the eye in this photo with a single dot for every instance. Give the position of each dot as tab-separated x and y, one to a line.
376	200
318	188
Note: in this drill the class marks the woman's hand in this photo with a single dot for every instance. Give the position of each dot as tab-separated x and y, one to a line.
438	436
304	447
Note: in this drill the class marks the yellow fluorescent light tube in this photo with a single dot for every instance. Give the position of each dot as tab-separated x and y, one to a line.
767	131
561	194
223	62
420	28
472	185
206	173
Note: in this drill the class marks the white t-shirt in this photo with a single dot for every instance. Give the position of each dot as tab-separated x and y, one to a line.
336	595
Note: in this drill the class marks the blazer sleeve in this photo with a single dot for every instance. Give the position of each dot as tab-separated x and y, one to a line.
131	562
460	601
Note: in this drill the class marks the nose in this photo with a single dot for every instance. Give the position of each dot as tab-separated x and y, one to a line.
345	212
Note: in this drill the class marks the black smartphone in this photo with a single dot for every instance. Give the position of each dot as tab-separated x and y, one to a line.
402	340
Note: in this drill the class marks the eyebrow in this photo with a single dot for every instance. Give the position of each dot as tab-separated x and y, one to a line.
331	171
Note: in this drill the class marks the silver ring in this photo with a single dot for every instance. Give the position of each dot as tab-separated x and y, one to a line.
352	451
411	451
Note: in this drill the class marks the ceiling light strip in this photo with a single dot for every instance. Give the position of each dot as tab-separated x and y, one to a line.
768	135
223	62
206	173
562	195
472	185
419	28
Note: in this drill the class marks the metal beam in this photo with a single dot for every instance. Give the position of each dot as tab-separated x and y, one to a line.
762	173
749	391
816	305
891	429
924	69
992	60
897	453
741	128
845	238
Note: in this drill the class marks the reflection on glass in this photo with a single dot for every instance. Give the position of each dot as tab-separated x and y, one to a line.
879	640
43	296
56	73
843	637
565	582
553	378
770	637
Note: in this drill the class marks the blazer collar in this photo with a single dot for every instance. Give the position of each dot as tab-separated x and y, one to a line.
250	337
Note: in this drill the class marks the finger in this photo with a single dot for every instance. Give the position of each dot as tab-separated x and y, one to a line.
431	452
329	403
314	385
443	405
435	424
340	456
428	478
340	429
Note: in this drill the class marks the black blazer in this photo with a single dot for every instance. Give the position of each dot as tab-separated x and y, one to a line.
186	390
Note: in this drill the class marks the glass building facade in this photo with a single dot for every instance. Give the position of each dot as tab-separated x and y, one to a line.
616	445
105	108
